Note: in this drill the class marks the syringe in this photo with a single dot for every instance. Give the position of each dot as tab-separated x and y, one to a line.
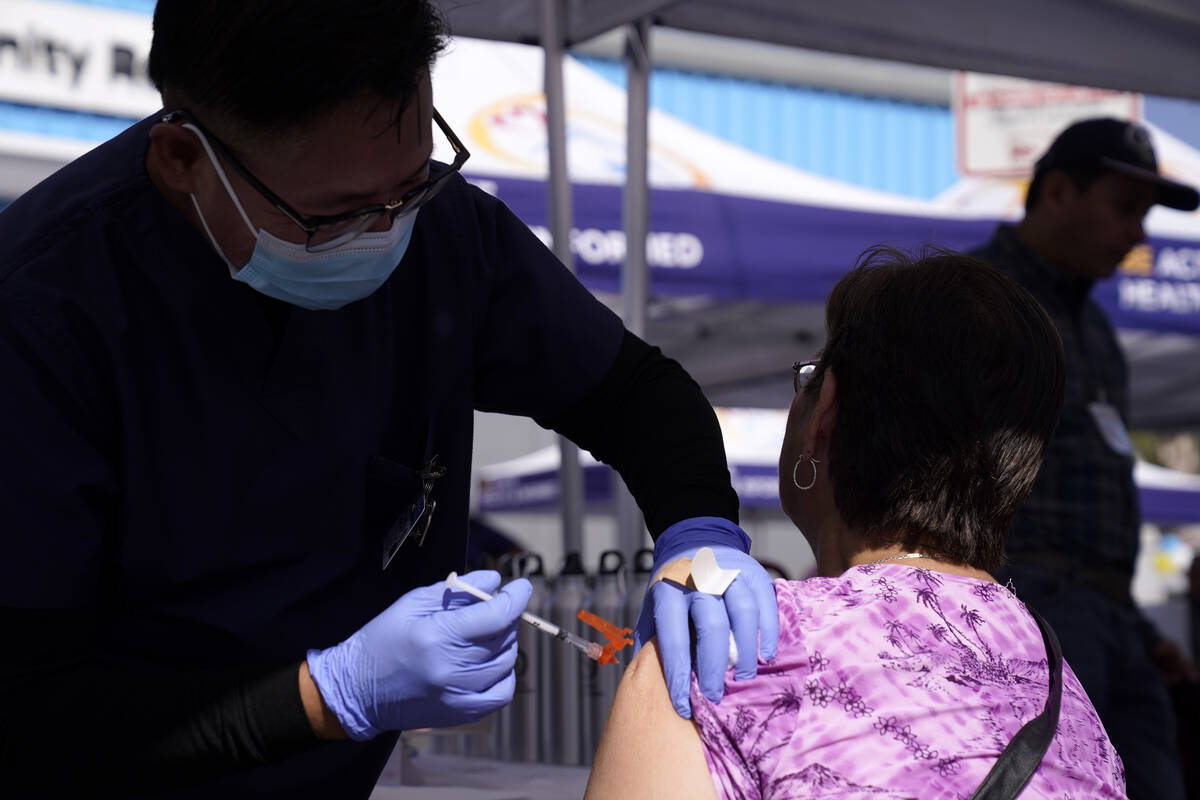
588	648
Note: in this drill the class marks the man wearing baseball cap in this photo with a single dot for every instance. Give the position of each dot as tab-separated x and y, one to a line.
1073	545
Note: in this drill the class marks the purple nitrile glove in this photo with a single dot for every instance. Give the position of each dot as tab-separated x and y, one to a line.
433	658
748	608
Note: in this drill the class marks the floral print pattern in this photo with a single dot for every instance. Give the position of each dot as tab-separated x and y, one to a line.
898	682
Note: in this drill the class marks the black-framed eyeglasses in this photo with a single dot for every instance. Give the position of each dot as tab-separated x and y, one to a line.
325	232
802	371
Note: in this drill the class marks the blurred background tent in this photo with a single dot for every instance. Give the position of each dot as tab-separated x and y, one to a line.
743	249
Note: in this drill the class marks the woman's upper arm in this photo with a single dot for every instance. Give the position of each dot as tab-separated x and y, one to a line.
648	750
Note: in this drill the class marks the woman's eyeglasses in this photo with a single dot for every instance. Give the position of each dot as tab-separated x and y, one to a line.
802	371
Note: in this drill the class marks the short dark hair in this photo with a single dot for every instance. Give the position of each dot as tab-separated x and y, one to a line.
1082	174
270	66
949	383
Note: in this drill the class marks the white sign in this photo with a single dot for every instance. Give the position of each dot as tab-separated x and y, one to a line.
1005	124
77	57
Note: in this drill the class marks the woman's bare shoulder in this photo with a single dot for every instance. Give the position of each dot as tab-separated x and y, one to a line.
648	750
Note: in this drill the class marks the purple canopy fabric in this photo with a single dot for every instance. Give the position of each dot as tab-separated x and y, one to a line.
733	248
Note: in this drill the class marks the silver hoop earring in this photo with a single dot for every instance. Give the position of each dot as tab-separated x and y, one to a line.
811	483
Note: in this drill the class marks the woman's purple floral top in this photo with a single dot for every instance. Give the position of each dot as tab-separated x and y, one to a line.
896	682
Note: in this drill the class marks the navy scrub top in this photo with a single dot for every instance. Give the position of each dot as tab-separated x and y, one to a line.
222	492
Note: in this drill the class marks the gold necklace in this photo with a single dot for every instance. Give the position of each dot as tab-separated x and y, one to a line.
902	557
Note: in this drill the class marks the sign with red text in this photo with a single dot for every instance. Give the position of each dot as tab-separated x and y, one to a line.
1003	125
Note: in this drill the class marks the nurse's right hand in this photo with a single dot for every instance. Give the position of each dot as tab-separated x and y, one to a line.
434	658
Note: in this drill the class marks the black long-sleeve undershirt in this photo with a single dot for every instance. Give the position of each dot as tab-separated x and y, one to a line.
649	420
148	730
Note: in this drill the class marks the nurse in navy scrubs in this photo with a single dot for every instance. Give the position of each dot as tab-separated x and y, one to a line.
241	344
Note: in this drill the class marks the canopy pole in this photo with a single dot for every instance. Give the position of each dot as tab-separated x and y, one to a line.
558	199
635	276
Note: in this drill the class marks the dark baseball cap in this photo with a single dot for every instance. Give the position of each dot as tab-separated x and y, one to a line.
1121	147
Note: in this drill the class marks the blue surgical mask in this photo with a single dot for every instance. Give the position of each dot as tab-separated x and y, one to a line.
326	280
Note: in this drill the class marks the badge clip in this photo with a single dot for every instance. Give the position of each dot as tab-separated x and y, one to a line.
418	517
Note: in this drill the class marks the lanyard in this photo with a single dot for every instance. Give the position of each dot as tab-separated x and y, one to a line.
417	517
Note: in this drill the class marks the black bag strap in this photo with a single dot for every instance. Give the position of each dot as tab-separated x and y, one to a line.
1024	753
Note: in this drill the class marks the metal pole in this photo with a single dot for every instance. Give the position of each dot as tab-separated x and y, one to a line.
635	275
558	199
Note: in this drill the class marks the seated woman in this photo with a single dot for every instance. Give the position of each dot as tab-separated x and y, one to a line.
903	669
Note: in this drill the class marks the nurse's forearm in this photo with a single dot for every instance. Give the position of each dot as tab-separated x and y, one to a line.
323	721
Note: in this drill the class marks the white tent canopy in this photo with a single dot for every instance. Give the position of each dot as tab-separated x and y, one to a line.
1137	45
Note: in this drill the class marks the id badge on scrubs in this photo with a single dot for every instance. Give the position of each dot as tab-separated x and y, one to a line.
1111	428
417	517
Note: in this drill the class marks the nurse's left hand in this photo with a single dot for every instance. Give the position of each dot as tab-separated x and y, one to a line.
747	608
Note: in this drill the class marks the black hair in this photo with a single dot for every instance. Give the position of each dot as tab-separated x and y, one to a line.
950	379
270	66
1082	174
